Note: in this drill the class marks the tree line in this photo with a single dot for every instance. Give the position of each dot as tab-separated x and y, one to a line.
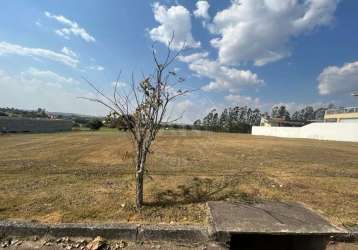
14	112
241	119
232	119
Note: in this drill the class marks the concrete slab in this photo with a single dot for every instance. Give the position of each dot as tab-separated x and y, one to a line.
275	218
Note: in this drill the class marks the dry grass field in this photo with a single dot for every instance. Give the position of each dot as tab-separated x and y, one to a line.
88	176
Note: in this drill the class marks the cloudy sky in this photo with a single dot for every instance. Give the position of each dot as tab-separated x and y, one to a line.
247	52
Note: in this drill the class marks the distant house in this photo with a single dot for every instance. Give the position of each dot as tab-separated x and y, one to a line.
279	122
341	115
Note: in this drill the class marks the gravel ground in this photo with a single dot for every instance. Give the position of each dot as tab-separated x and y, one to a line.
92	244
85	244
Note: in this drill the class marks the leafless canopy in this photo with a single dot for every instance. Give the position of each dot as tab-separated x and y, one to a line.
144	108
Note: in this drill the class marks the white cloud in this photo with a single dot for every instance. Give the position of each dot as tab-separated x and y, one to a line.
96	67
14	49
49	77
119	84
72	28
174	19
69	52
243	100
339	80
223	77
202	8
191	108
184	105
62	33
259	30
184	111
35	88
193	57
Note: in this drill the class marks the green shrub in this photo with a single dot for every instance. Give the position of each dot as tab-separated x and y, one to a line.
94	124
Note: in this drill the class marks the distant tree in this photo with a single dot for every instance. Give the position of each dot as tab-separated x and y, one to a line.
95	124
232	119
297	116
81	120
308	113
41	112
208	120
331	106
13	112
280	112
76	125
256	117
224	120
319	114
188	127
175	126
215	123
197	124
112	120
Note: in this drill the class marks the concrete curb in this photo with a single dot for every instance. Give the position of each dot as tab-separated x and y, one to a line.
133	232
169	232
108	231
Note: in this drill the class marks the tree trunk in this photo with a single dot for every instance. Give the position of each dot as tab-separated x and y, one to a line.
139	188
140	165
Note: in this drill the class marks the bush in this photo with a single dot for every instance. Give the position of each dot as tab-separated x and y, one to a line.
240	128
95	124
188	127
82	120
76	125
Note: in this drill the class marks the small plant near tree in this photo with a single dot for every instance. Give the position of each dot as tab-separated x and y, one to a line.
144	109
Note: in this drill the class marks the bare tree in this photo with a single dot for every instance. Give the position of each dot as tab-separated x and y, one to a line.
144	109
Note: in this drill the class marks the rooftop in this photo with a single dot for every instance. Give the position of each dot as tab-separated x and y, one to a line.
342	110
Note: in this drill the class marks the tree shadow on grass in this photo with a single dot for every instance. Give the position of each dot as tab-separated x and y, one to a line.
200	190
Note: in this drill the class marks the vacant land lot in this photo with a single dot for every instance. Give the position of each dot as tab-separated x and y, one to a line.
88	176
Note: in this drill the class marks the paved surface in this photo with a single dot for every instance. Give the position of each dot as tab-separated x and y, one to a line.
268	218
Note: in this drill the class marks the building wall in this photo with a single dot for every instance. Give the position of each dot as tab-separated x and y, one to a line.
319	131
343	116
17	124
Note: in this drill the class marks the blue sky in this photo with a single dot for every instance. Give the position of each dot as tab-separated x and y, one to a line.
247	52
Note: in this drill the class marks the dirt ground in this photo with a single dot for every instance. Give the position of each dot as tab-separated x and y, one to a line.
79	244
88	176
172	246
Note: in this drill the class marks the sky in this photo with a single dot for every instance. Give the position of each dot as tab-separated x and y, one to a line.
258	53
